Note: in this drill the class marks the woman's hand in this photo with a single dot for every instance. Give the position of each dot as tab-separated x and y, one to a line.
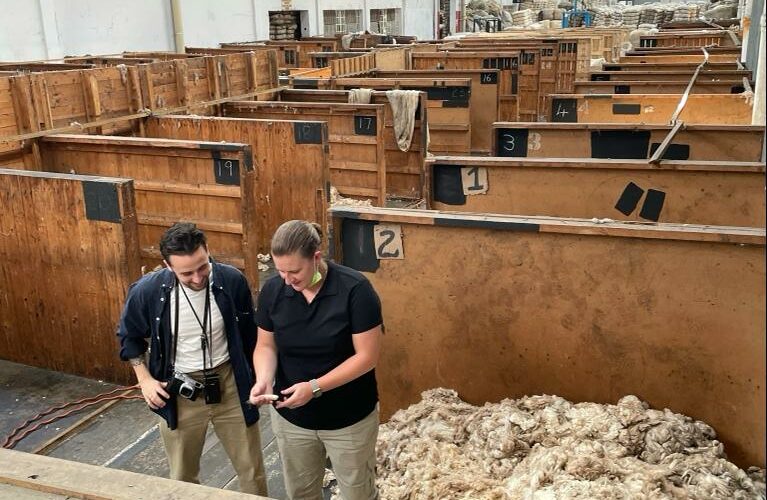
297	396
261	393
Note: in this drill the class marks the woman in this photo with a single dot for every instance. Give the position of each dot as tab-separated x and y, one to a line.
319	335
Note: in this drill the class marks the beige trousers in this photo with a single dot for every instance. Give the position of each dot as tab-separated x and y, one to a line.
352	453
242	444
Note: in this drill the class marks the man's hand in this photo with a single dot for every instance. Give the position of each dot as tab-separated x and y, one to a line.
300	394
154	391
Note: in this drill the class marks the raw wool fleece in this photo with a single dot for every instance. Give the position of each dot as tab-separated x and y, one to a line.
545	447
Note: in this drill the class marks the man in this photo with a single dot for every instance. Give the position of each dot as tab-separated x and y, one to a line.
198	318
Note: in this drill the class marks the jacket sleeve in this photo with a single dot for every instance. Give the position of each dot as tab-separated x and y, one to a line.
134	327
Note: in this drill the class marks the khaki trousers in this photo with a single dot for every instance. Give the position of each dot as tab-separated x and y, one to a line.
352	453
242	443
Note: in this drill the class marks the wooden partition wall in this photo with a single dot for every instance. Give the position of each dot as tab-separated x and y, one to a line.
68	252
355	135
484	103
658	86
404	169
715	193
499	307
628	141
667	75
211	184
290	162
505	62
651	108
447	100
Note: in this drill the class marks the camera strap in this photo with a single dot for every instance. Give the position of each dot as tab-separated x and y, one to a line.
206	325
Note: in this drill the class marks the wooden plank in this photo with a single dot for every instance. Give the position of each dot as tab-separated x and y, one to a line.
715	193
80	233
77	480
628	141
649	108
677	316
290	178
659	87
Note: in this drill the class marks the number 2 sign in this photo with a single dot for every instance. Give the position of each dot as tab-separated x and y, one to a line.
387	239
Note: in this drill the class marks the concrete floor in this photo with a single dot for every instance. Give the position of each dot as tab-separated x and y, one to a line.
125	436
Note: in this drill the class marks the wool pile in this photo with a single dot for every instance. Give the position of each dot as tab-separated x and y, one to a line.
545	447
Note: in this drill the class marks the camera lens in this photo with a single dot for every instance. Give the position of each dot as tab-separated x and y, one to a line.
185	391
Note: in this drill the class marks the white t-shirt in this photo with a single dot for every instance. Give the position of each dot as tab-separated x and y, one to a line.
189	350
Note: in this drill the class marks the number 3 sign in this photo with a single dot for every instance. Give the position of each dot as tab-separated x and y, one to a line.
388	241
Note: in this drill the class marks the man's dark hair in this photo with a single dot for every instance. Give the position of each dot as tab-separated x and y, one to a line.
183	238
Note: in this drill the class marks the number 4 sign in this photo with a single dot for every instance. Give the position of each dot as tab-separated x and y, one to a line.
388	241
474	180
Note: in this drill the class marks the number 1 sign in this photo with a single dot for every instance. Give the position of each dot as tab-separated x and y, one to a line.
474	180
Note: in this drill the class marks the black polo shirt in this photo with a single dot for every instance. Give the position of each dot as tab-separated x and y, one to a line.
313	339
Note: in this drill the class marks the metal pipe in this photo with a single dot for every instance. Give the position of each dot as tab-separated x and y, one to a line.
757	116
178	25
745	28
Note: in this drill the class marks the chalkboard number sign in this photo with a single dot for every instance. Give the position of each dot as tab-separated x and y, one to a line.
307	133
564	110
226	171
512	142
488	77
388	241
365	125
474	180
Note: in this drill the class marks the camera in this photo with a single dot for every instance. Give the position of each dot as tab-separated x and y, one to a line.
212	389
184	385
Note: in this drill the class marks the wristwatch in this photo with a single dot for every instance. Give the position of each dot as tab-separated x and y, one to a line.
316	391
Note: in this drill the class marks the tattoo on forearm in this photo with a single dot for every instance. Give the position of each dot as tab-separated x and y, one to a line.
136	361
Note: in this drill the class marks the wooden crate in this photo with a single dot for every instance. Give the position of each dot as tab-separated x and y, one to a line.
712	109
504	306
355	136
208	183
685	192
290	159
628	141
404	169
68	252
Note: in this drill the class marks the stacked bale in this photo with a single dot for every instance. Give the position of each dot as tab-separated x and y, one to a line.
282	26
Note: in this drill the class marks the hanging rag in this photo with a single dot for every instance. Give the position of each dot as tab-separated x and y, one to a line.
360	96
404	104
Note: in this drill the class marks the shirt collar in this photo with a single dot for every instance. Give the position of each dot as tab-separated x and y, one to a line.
330	287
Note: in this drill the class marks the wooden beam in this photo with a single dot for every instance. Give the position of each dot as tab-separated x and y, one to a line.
656	157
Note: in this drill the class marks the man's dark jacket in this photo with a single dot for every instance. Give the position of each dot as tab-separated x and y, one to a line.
146	315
